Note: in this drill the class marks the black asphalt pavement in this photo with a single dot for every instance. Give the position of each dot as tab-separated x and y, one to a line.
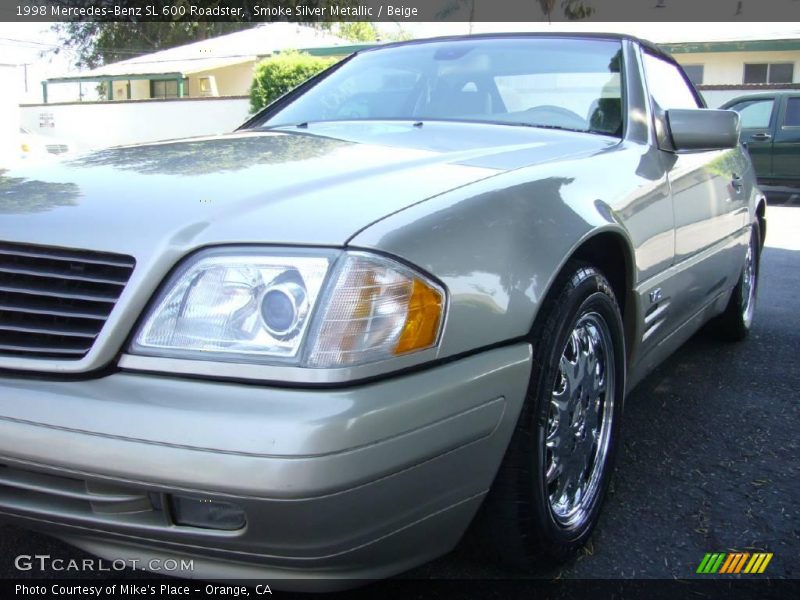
711	455
710	459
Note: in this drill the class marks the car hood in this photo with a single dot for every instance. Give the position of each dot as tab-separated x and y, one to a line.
315	185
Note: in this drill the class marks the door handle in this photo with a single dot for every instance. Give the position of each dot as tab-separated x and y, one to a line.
761	137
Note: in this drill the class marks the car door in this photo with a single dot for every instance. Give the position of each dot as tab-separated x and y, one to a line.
758	116
709	200
786	146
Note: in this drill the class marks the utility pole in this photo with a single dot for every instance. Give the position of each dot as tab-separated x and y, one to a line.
25	75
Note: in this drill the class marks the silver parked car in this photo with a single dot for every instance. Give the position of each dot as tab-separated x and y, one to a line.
417	286
36	146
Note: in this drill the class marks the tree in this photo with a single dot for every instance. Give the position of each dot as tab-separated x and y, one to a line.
357	31
398	35
365	31
277	74
99	43
573	9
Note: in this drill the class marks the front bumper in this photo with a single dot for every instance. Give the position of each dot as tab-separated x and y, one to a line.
359	483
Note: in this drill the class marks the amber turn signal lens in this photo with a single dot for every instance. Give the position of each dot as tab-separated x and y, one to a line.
423	318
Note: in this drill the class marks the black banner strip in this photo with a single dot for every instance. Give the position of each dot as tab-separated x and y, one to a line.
402	11
728	588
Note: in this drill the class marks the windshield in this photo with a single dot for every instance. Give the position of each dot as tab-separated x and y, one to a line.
550	82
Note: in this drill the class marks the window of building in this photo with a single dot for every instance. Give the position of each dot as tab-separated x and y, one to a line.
792	118
694	73
781	73
165	88
205	85
769	73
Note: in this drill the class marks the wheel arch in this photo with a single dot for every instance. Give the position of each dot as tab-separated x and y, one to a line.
761	217
610	251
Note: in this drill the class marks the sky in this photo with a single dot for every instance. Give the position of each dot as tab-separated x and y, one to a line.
24	44
656	32
32	44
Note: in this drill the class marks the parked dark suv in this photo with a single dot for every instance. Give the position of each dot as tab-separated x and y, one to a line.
771	132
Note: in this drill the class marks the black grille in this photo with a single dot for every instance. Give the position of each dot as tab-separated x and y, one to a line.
54	302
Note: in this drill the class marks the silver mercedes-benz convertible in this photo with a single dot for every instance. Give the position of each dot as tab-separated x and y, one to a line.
408	296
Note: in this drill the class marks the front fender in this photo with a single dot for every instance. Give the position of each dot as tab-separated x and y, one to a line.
498	244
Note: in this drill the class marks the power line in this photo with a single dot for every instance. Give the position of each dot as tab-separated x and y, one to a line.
115	50
29	42
11	42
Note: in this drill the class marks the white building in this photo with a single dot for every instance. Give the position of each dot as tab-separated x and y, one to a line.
724	68
220	66
9	114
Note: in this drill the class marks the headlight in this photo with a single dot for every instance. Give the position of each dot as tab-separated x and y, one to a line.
236	305
305	308
376	309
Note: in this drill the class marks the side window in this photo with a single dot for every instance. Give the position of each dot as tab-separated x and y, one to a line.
668	87
792	118
755	114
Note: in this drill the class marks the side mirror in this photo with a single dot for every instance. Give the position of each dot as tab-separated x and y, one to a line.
703	128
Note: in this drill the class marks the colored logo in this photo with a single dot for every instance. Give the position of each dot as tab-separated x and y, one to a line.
734	562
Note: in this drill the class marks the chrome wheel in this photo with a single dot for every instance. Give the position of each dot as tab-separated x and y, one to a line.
547	495
578	428
749	284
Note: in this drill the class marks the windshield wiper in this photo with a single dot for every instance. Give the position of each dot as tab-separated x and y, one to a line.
537	126
302	125
419	122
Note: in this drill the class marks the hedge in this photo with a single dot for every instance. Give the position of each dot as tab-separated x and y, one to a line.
276	75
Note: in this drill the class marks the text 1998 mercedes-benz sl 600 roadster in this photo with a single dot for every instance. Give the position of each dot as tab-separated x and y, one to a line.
408	295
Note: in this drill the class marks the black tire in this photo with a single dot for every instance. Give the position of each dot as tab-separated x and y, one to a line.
735	323
517	519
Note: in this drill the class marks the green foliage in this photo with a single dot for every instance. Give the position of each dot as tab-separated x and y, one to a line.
366	31
576	10
398	35
276	75
357	31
